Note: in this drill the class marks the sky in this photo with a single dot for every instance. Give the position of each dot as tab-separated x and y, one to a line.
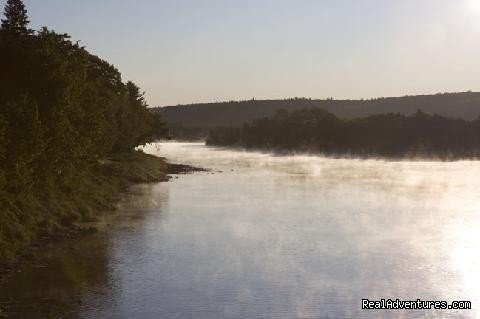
188	51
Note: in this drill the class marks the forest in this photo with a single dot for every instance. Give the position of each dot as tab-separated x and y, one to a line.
389	135
69	126
195	120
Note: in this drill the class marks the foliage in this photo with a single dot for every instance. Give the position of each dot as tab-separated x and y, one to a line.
386	135
63	111
194	121
16	19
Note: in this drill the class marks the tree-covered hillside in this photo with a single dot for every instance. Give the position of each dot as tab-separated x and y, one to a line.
198	118
63	113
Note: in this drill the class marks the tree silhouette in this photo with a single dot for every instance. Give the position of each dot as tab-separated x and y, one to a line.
387	135
16	18
65	115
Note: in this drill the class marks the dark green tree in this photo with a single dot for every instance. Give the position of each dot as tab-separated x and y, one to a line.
385	135
64	112
16	18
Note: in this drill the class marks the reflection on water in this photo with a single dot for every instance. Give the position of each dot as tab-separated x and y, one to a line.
50	286
266	236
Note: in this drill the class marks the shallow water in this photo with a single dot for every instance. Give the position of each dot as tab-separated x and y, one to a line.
264	236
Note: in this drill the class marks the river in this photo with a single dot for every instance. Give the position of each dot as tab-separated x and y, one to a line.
265	236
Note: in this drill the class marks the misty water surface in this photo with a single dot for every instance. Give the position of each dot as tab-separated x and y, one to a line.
264	236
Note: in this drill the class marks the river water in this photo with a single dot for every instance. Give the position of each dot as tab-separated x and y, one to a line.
264	236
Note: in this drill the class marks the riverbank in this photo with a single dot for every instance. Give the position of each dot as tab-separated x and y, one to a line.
58	212
276	226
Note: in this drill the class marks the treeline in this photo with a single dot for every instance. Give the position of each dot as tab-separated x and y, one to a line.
63	111
198	119
385	135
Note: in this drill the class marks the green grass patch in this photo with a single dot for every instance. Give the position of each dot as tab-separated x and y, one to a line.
52	208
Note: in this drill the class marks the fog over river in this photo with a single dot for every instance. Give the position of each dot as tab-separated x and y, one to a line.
265	236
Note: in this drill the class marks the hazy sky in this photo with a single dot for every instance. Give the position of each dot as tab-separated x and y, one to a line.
183	51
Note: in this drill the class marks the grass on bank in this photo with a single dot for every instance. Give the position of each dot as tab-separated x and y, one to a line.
52	210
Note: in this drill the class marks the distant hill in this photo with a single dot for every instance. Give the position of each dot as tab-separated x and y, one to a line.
196	119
